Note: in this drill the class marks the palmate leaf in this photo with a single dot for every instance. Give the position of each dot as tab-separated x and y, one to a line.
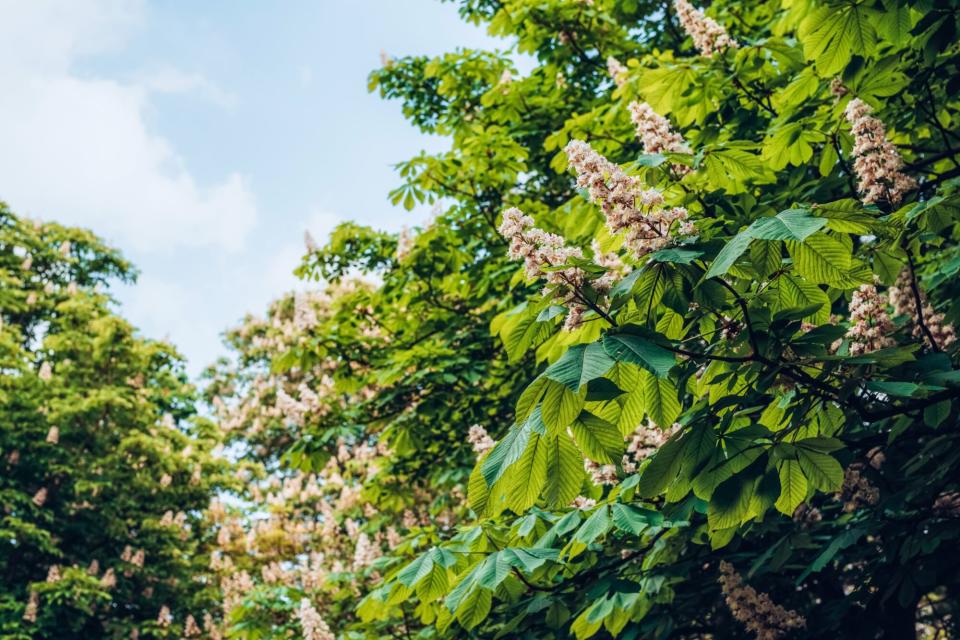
832	35
634	519
474	608
793	292
733	169
821	470
478	492
662	470
792	224
791	144
729	255
731	501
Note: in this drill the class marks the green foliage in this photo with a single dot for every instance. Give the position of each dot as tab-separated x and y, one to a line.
105	465
739	336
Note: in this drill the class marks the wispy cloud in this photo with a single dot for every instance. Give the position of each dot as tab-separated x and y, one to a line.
79	148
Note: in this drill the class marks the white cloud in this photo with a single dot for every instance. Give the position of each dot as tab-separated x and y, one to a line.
171	80
79	150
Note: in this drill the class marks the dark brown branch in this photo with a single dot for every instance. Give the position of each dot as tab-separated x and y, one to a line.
918	300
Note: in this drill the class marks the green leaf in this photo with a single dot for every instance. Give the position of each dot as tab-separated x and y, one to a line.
675	255
733	169
564	471
477	490
660	398
474	608
730	502
638	350
580	364
793	487
526	479
635	519
596	525
901	389
530	398
822	259
729	254
823	472
560	407
832	35
662	470
792	224
511	447
598	439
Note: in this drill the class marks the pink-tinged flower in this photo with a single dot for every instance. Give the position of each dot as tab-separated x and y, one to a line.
46	372
40	497
30	613
616	268
707	35
539	250
53	435
904	303
877	162
109	579
756	611
629	208
602	474
164	618
617	71
583	503
309	243
405	242
871	325
655	132
480	439
190	627
313	626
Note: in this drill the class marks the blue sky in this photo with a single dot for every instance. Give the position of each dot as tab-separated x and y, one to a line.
202	138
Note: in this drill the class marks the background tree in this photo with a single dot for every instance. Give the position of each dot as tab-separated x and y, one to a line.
105	465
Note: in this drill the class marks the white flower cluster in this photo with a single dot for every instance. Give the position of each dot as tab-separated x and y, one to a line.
707	35
541	252
871	325
616	71
405	242
480	440
656	134
877	162
639	213
314	627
